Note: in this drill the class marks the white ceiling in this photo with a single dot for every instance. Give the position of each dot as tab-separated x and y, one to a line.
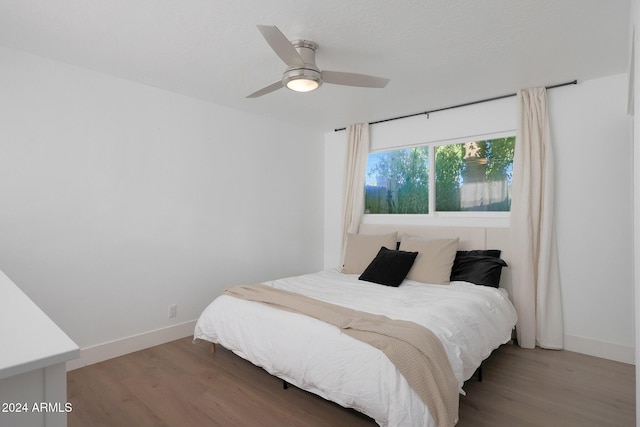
437	53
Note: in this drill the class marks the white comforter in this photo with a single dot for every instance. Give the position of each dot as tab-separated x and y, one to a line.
470	321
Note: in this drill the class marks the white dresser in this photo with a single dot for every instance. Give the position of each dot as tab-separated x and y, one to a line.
33	355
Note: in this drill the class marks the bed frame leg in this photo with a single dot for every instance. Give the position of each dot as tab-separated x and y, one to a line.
480	373
285	385
213	347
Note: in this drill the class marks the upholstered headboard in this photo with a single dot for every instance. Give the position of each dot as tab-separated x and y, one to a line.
470	238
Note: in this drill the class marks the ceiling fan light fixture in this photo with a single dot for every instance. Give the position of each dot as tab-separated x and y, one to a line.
302	79
302	85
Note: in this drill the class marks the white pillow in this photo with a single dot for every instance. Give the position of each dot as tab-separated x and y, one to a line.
362	249
434	261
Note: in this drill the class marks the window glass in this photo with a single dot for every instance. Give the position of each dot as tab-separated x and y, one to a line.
469	176
475	175
397	182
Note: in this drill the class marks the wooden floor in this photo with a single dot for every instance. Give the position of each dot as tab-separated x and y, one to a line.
183	384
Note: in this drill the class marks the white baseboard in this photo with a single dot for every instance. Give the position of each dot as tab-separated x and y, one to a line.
606	350
109	350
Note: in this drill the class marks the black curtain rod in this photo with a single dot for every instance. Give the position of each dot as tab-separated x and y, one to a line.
459	105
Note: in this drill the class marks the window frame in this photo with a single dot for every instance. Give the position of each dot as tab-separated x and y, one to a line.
445	218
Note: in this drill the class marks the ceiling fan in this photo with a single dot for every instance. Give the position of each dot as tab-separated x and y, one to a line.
302	73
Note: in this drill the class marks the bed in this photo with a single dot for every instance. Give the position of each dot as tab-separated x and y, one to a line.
469	320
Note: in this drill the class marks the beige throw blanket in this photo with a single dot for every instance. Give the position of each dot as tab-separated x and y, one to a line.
414	350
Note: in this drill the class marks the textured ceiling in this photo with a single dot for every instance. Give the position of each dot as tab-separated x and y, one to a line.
436	52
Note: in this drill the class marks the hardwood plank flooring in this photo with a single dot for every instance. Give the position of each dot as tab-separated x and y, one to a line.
549	388
183	384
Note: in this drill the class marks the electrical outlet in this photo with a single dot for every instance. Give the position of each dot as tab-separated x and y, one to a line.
173	310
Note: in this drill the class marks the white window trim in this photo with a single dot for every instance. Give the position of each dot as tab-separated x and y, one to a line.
451	219
451	141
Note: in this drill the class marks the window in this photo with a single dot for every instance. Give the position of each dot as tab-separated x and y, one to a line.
468	176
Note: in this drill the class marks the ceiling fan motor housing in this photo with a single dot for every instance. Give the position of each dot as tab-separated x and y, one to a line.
306	77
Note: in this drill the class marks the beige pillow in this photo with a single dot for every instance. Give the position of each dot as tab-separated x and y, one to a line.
434	261
362	249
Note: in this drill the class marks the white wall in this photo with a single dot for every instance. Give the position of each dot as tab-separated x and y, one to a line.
592	138
592	135
119	199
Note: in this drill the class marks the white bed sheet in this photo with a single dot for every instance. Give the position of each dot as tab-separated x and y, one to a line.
470	321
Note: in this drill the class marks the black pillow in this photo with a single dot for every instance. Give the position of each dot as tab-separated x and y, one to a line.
389	267
479	269
487	252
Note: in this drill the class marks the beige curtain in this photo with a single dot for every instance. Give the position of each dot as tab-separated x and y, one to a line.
536	279
354	180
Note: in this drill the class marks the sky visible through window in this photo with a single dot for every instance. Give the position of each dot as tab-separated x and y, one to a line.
373	160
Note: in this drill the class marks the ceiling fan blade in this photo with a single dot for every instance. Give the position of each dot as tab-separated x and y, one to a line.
265	90
281	45
353	79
